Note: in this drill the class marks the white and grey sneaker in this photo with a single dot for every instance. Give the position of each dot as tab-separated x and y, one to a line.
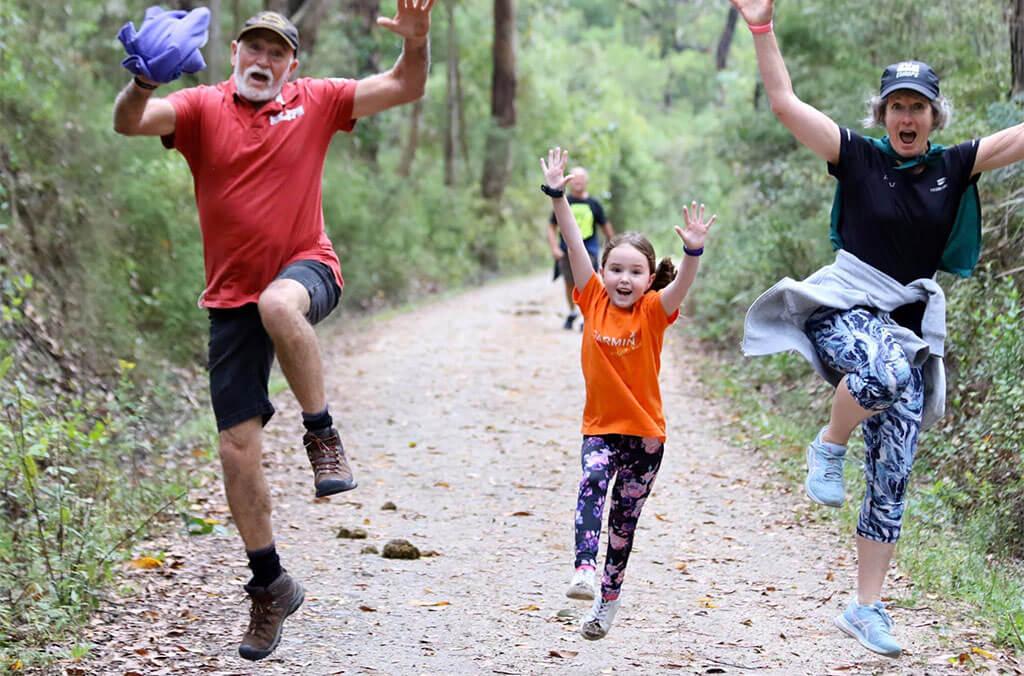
582	585
598	620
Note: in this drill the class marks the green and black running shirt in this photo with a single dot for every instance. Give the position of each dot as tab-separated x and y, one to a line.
589	214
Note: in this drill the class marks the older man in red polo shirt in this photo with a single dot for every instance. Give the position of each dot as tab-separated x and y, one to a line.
256	145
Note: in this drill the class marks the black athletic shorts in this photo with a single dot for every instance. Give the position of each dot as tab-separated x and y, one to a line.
241	353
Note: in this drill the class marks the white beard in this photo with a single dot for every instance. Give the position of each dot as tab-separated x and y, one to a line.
258	95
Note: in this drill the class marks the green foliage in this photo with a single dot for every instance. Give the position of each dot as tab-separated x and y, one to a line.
74	479
978	451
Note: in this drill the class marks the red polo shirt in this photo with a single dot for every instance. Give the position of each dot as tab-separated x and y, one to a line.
257	174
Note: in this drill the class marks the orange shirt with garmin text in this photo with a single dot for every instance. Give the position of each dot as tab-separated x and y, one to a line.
621	359
257	173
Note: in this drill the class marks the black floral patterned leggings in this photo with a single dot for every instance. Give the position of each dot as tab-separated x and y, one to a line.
636	461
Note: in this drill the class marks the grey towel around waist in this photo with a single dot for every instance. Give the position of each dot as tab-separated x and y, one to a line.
775	322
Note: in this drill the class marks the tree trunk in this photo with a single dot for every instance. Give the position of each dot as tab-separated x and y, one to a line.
305	14
451	118
412	141
460	104
360	30
503	80
307	17
503	101
216	48
1017	49
725	40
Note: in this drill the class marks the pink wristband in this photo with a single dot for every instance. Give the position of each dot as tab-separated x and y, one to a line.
763	28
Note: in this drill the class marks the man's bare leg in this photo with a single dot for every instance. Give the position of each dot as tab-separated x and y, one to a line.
275	595
283	307
241	455
572	306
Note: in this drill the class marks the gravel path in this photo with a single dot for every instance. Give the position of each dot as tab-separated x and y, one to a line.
465	413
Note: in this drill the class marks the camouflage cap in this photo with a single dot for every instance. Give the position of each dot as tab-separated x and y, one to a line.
275	23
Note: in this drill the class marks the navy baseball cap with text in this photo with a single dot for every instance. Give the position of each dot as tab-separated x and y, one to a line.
916	76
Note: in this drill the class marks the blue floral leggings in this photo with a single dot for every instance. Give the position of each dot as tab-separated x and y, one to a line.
636	461
855	342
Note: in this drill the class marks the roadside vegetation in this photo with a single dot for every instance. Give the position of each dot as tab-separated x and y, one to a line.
103	421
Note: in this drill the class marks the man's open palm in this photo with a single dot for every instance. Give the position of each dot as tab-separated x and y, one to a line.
412	19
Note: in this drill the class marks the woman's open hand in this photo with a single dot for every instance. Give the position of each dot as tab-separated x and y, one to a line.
754	12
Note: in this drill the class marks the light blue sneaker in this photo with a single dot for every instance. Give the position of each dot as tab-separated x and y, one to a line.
870	625
824	482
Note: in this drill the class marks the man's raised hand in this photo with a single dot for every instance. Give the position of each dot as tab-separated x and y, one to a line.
412	19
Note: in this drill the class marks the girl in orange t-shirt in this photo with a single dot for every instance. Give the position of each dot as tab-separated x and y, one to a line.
623	424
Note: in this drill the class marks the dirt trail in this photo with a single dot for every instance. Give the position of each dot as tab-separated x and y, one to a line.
465	414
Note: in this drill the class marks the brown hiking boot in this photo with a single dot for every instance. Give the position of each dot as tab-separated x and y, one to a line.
331	473
270	605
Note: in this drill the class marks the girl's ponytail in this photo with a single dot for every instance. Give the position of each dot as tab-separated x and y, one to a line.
665	273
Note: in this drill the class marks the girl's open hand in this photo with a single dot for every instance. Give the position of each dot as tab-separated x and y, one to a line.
754	12
554	168
696	230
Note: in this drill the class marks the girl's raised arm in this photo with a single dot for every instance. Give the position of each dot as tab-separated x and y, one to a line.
693	246
555	180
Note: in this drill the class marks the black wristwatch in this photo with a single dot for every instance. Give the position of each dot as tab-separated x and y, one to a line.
551	192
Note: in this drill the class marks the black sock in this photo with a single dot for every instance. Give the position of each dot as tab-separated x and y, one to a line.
318	423
265	565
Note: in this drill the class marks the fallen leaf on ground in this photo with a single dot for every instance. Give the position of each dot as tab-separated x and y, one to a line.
146	563
529	607
563	653
521	513
430	604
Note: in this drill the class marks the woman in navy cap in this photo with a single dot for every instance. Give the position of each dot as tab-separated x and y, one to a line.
873	322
